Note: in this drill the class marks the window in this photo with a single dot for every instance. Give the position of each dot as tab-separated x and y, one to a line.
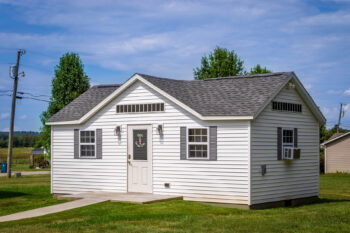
287	143
198	143
290	107
87	143
156	107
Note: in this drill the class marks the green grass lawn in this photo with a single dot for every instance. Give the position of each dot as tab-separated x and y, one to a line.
25	193
20	158
330	214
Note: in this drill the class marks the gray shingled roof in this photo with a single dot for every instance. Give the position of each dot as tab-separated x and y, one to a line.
84	103
229	96
37	151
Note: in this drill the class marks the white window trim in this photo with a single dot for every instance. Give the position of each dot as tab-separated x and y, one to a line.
287	145
197	143
84	143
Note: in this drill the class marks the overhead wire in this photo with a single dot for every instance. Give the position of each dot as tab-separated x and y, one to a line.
26	97
33	95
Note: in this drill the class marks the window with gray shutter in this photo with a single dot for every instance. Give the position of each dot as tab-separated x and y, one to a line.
88	143
287	143
198	143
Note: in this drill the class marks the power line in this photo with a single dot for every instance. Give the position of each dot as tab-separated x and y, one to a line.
26	97
33	95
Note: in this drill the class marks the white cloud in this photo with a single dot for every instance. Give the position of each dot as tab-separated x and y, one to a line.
333	18
23	117
325	110
14	129
308	86
4	115
334	92
347	92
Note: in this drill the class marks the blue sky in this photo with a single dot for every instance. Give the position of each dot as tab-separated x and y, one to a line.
168	38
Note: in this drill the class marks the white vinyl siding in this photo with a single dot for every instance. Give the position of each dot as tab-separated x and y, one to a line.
223	180
284	179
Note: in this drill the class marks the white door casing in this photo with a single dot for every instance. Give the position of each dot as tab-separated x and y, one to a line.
140	158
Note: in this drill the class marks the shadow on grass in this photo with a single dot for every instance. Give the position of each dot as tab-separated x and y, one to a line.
8	194
327	200
320	201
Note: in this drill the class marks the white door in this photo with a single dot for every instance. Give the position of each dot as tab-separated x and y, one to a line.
140	158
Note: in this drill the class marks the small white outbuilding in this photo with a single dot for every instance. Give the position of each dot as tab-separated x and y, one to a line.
242	140
337	153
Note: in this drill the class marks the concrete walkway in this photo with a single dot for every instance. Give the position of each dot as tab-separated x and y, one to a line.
24	173
89	198
50	209
140	198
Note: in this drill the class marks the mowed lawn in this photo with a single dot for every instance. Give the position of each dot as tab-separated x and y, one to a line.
25	193
330	214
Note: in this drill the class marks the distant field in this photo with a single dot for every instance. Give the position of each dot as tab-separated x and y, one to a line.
17	153
20	158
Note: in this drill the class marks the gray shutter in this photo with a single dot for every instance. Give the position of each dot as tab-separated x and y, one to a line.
183	143
213	143
279	143
76	143
295	137
296	151
99	143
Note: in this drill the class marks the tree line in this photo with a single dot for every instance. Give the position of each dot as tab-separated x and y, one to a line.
20	139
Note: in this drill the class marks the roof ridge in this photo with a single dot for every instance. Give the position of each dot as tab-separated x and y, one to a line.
106	85
153	76
248	76
220	78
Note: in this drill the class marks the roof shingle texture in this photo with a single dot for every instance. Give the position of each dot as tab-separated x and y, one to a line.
229	96
84	103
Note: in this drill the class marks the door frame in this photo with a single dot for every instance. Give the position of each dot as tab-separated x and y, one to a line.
149	128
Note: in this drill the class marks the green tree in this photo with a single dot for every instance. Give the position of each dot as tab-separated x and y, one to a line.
259	70
69	82
219	63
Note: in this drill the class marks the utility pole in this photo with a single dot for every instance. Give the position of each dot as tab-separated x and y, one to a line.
340	116
13	108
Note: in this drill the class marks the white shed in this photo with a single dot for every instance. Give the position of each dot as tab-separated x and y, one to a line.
242	140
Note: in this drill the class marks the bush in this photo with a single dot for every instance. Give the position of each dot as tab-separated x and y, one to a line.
41	161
